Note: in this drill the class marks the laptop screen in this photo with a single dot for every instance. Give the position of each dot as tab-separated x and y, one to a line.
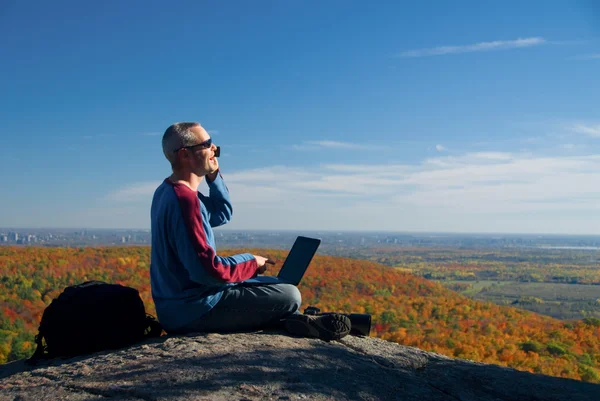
298	259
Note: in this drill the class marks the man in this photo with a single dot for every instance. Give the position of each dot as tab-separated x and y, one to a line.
193	288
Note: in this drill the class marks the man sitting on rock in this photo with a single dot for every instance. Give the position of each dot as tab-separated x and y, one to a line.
193	288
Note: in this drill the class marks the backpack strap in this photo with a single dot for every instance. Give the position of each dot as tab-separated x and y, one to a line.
153	327
40	351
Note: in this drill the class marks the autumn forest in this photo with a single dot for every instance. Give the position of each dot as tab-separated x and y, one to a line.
406	308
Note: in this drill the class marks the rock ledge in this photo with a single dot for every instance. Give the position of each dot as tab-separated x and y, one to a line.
275	366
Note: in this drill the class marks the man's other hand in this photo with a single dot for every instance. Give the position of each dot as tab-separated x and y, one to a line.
262	263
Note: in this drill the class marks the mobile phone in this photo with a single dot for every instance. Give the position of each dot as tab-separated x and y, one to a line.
218	151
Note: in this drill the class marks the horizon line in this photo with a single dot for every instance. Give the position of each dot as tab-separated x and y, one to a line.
217	229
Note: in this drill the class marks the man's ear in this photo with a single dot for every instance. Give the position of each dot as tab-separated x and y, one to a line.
183	155
179	159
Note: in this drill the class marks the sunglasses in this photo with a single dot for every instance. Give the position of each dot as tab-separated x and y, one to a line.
203	145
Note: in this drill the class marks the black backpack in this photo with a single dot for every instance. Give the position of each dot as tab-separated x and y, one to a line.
90	317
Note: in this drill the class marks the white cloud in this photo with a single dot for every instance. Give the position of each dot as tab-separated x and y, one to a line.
326	144
440	148
595	56
485	191
491	155
336	144
388	169
479	191
476	47
134	192
587	129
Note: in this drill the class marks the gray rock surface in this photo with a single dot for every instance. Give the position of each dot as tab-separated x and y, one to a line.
275	366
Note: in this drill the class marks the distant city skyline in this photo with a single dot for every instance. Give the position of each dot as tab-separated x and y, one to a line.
463	117
331	241
229	230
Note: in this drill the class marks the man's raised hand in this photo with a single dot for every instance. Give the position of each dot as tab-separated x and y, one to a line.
214	168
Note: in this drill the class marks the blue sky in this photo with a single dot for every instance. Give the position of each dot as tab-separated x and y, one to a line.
332	115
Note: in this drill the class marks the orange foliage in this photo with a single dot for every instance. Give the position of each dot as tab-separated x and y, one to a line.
405	308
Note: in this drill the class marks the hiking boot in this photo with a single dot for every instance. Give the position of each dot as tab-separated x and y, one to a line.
330	326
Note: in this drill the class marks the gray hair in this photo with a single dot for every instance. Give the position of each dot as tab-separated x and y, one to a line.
177	136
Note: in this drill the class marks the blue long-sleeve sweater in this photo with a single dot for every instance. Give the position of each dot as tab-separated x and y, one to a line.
187	277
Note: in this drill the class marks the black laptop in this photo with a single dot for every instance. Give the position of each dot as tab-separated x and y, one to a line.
295	264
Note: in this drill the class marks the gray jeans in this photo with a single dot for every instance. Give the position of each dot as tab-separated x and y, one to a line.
249	307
